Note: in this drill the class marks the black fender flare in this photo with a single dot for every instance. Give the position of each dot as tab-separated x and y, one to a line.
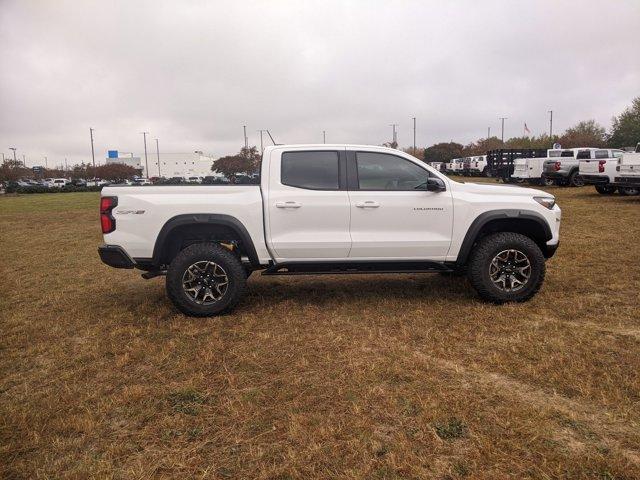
486	217
206	219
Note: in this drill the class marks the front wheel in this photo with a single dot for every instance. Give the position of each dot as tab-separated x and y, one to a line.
205	280
506	267
605	189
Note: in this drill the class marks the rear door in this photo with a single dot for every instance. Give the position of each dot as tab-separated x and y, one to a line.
390	217
308	205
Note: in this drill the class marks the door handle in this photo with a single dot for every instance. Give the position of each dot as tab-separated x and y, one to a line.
288	204
367	204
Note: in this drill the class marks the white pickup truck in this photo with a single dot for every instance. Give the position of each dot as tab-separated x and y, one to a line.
532	169
329	209
627	176
600	169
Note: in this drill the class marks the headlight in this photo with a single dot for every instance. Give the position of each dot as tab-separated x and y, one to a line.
547	202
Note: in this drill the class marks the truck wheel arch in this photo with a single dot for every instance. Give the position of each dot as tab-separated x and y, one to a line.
224	225
526	222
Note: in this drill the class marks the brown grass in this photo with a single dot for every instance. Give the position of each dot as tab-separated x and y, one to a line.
398	376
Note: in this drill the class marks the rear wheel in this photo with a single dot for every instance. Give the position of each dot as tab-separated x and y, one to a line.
205	280
575	180
628	191
506	267
605	189
548	182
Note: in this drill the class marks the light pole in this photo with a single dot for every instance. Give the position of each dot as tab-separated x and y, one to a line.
246	140
414	135
93	155
550	123
261	142
24	160
324	136
146	161
395	134
502	119
46	163
488	133
14	153
158	156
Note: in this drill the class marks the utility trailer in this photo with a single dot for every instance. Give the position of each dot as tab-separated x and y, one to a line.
501	162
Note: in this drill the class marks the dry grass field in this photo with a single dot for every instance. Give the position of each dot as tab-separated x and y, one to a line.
381	377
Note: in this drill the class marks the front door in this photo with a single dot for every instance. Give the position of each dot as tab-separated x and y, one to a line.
308	204
392	215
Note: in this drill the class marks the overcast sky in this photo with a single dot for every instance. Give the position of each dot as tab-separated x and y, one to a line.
193	72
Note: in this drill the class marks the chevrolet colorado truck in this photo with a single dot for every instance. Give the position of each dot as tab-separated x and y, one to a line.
325	209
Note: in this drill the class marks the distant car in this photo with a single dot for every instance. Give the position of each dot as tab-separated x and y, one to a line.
194	179
59	183
142	181
96	182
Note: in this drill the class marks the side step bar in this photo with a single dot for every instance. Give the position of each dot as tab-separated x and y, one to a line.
318	268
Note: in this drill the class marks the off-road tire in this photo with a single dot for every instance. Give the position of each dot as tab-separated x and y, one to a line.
605	189
485	251
575	180
628	191
236	275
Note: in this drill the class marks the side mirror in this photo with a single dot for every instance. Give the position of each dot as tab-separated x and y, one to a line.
435	184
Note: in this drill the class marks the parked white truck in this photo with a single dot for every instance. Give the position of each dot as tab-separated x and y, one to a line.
329	209
531	169
600	169
627	176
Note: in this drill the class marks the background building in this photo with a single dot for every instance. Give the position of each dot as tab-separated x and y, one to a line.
194	164
113	156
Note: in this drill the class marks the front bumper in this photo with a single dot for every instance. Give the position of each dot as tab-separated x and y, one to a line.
115	256
550	250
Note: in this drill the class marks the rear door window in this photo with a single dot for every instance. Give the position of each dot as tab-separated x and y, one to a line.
311	170
583	154
602	153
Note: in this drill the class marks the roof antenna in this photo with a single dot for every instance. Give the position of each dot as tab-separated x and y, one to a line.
271	137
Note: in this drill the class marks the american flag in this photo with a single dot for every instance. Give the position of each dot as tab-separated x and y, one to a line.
526	129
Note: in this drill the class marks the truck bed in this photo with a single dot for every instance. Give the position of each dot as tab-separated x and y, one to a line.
142	211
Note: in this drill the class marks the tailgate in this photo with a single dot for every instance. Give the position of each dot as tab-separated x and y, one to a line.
589	166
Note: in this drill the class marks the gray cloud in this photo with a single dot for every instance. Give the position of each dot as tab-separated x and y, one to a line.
192	73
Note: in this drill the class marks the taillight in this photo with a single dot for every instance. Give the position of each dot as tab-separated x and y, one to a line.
601	165
108	223
556	166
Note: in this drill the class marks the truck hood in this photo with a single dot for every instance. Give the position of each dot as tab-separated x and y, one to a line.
513	190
